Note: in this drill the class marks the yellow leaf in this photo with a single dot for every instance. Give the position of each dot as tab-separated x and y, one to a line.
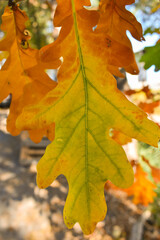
85	105
156	7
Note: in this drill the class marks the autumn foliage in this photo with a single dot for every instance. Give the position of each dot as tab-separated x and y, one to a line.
142	190
77	112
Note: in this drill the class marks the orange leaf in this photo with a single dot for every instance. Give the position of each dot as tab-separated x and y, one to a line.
146	106
64	10
141	190
12	74
149	107
114	21
23	74
145	89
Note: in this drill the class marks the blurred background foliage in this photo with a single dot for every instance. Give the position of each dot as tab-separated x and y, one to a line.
150	15
40	13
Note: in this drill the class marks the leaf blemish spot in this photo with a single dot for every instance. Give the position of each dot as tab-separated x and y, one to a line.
108	42
59	140
24	44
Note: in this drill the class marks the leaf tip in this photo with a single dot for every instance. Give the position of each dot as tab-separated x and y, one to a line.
39	182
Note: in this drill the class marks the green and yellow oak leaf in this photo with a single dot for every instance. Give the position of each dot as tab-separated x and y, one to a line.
113	23
84	106
23	73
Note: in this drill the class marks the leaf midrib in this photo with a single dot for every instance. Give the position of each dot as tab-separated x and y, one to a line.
82	68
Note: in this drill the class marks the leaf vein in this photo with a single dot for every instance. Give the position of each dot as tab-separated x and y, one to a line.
111	160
